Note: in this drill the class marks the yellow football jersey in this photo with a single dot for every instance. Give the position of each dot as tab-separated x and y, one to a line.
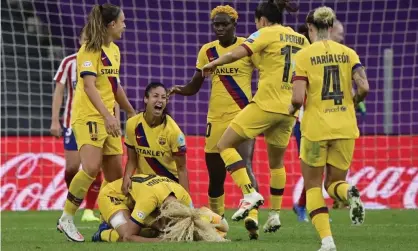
231	83
329	113
276	45
104	65
155	146
148	193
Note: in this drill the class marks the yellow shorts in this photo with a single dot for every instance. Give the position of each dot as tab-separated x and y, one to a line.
336	152
214	131
93	133
110	203
252	121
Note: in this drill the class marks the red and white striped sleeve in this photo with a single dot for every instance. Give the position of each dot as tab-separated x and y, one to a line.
63	71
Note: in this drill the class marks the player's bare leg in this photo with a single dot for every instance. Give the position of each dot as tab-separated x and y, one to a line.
340	190
316	207
246	150
235	165
112	167
91	160
217	177
277	184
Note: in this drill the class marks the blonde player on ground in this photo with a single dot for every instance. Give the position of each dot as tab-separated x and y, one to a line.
96	129
66	78
231	89
268	111
329	126
156	145
157	202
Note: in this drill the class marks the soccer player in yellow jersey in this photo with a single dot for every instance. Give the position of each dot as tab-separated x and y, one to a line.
230	93
150	198
324	72
96	129
156	145
268	111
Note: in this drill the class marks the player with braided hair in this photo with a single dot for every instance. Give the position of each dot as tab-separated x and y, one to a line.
231	88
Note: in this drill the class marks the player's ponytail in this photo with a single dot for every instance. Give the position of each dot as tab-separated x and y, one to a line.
322	18
186	224
96	28
273	10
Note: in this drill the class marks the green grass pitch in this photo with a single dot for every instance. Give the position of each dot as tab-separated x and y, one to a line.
384	230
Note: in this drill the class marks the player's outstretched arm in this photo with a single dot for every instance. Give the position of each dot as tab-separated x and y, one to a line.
230	57
55	129
182	171
123	101
360	78
190	88
130	168
112	125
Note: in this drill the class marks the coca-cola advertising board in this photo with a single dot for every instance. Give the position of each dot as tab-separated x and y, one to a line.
385	169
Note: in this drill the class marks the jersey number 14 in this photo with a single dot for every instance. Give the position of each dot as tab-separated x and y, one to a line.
332	75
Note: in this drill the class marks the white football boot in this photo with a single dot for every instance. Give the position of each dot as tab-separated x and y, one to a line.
249	202
357	210
273	222
328	244
67	227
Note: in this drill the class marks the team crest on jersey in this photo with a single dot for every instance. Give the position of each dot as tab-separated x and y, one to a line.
162	141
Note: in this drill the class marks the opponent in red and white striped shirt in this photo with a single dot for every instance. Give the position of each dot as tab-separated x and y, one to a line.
66	78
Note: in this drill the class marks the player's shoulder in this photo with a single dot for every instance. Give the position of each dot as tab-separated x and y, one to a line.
171	124
209	45
114	46
133	121
241	40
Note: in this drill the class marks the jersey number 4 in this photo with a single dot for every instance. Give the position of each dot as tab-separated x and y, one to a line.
332	75
287	51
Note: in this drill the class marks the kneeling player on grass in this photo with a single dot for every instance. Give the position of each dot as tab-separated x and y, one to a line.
159	203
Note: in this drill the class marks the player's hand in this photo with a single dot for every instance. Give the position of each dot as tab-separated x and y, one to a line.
175	89
208	69
56	129
126	185
292	110
112	126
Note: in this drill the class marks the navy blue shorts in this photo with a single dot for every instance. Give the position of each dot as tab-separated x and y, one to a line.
69	140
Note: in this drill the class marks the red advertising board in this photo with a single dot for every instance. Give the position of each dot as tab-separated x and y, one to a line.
385	169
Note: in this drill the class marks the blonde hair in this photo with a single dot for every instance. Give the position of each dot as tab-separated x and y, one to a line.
224	9
186	224
324	17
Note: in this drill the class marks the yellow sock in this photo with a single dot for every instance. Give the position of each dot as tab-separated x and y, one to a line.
217	205
253	214
338	190
77	191
277	184
236	167
318	211
109	235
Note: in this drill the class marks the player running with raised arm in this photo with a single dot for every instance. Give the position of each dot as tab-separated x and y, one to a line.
268	111
230	93
159	203
66	78
329	126
156	145
96	129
